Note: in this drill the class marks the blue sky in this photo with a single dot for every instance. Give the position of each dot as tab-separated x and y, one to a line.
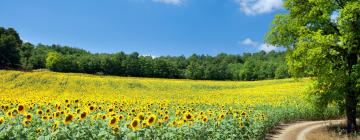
150	27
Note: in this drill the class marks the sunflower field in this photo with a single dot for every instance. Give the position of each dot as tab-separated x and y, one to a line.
48	105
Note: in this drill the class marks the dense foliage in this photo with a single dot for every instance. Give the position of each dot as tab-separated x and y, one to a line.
10	45
323	40
256	66
48	105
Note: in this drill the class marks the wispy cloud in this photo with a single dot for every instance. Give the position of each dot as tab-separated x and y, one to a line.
172	2
261	46
254	7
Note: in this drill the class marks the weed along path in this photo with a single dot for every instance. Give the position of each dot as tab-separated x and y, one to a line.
303	130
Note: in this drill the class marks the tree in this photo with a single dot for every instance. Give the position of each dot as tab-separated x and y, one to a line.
10	44
25	55
38	56
132	64
281	72
52	61
323	41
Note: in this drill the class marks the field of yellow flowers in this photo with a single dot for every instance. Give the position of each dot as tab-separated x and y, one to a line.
48	105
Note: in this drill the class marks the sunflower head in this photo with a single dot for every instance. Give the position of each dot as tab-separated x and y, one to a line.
243	114
174	123
166	118
83	115
68	119
205	119
56	114
135	124
14	113
28	117
221	116
48	111
2	120
141	116
151	120
121	117
188	116
26	122
91	108
9	113
55	125
112	122
242	124
116	129
21	108
39	112
44	118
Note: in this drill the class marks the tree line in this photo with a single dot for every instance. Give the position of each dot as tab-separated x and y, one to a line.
14	54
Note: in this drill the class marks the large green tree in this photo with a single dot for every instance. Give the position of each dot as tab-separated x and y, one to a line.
323	40
25	55
10	44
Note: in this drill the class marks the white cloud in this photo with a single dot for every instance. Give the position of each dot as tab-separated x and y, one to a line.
152	56
267	48
261	46
172	2
249	42
254	7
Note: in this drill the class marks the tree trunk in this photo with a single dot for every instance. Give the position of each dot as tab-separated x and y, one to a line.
351	102
351	96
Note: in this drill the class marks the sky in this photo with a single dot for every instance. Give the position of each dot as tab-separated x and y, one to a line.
150	27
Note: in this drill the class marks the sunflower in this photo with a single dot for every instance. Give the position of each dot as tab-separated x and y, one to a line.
56	114
40	112
116	129
143	124
135	124
160	122
188	116
55	125
48	111
221	116
38	130
103	117
28	117
2	120
121	117
83	115
178	112
151	120
26	122
14	113
68	119
112	122
166	118
174	123
205	119
243	114
21	108
44	118
9	113
91	108
140	116
242	124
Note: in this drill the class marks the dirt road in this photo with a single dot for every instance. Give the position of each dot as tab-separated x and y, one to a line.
305	130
